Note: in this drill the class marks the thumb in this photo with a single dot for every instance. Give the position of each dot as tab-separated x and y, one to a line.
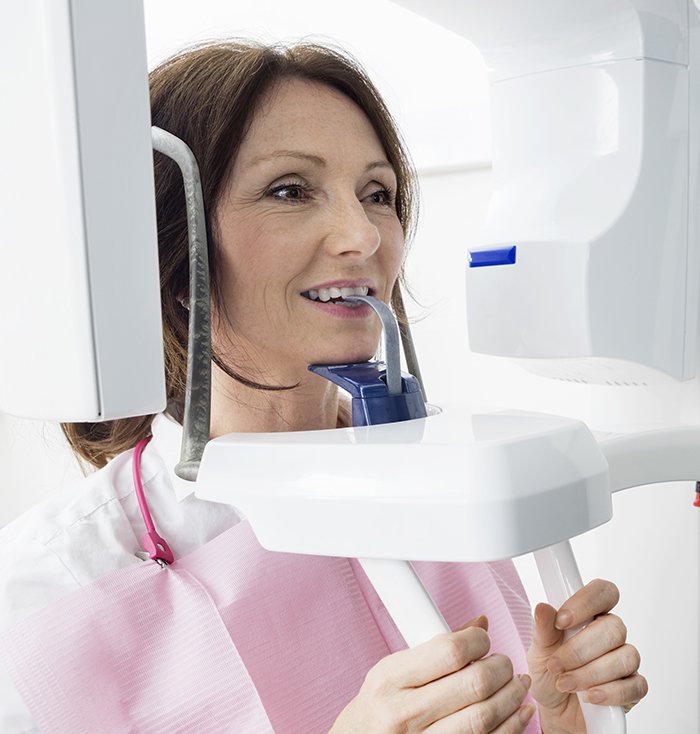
546	638
480	621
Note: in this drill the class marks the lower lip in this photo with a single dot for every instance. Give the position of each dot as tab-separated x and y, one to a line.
341	312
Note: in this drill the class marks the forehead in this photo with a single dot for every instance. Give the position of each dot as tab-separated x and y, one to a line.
299	114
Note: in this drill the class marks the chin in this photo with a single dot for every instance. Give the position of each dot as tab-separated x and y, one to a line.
344	359
341	348
349	355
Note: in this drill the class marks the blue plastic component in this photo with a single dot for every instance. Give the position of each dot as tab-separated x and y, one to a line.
371	402
499	256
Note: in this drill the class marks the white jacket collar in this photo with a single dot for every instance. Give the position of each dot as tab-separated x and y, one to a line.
167	441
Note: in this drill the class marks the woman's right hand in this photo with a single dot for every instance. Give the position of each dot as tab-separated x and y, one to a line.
443	686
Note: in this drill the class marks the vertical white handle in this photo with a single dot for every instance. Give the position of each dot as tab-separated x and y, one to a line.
561	578
405	598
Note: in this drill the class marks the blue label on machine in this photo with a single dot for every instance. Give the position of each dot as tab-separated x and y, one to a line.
498	256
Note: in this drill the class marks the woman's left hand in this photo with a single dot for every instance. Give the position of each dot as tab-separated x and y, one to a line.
596	660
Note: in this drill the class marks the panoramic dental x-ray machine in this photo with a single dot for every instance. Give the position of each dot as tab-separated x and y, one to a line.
587	271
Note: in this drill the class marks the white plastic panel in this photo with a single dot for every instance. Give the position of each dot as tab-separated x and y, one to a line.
692	314
652	456
460	485
80	332
522	310
568	148
594	166
591	183
518	38
45	324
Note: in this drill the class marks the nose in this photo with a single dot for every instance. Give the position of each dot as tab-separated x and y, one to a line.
350	233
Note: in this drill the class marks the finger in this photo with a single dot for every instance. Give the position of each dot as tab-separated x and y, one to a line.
597	597
517	723
620	663
626	692
598	638
487	716
477	682
546	638
480	621
514	724
442	655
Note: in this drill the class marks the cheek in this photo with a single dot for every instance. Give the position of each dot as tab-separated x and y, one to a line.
258	266
241	288
247	252
394	247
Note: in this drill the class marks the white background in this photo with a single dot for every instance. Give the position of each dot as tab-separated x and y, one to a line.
435	83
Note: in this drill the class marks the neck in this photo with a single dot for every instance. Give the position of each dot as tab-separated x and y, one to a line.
237	408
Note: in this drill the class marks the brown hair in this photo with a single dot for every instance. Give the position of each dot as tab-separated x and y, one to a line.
207	96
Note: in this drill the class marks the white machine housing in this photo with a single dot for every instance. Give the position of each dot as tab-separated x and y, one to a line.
82	337
460	485
595	182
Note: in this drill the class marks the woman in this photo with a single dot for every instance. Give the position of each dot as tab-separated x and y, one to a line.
309	193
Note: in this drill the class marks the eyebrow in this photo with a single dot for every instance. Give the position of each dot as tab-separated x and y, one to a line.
310	157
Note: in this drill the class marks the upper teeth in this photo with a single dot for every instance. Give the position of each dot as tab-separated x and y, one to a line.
325	294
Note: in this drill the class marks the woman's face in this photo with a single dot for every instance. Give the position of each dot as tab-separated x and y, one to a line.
307	214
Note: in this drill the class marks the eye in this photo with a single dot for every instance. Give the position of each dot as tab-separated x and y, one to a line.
382	197
289	191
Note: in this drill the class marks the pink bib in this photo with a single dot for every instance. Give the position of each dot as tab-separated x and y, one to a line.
233	638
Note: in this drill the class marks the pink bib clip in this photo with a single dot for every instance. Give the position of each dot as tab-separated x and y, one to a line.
153	544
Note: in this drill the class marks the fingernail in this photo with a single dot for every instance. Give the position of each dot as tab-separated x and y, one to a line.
595	696
480	621
566	684
563	620
526	713
525	679
538	615
555	666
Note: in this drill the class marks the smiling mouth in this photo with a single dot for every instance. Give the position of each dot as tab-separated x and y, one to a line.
337	295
